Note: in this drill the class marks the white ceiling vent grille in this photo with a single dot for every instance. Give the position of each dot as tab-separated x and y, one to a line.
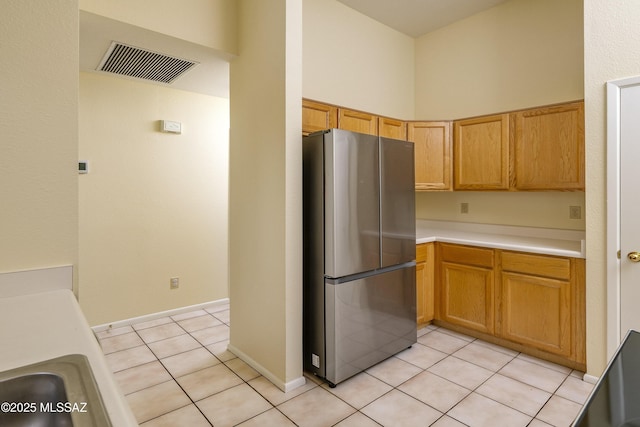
143	64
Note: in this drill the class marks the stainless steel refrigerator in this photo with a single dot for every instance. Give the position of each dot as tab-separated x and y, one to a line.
359	251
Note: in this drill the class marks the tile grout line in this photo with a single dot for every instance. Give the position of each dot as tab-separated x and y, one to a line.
178	384
446	379
221	362
321	385
494	373
170	374
550	397
174	380
235	373
470	390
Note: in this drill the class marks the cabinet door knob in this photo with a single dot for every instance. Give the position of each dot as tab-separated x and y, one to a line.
634	256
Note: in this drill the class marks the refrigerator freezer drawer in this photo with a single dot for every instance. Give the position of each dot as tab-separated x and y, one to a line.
368	319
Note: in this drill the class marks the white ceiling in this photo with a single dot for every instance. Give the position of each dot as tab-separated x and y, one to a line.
418	17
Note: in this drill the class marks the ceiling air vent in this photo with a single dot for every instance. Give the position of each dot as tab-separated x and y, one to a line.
143	64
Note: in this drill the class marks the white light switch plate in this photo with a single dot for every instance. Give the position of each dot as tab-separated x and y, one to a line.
171	126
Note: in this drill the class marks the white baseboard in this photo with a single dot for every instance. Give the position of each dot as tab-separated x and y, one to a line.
284	386
590	379
153	316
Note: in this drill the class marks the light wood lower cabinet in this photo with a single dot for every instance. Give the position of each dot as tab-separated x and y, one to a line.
541	302
524	322
528	302
425	258
466	287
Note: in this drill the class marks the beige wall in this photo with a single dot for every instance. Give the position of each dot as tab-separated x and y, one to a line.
519	54
153	205
39	134
265	208
522	53
210	23
611	52
352	60
39	219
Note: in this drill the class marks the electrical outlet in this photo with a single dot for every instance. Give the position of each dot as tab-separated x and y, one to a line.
174	283
464	208
575	212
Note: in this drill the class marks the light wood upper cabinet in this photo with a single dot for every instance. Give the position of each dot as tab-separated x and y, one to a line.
549	148
392	128
317	116
537	149
481	153
357	121
432	149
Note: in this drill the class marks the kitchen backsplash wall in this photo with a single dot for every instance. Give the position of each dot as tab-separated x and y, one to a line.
531	209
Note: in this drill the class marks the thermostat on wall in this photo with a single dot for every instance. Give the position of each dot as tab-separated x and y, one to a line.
170	126
83	166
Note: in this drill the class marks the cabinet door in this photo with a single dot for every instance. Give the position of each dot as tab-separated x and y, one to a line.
481	153
357	121
392	128
466	293
536	311
317	116
432	154
467	296
549	148
425	282
421	293
536	301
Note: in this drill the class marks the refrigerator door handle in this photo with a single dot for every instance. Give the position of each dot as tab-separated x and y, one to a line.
365	274
397	202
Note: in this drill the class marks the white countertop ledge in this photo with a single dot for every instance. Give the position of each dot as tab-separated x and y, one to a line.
548	241
45	325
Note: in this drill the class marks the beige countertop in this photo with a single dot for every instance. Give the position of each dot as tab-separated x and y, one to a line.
45	325
569	243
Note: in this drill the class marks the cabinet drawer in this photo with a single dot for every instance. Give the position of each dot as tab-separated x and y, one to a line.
421	252
467	255
538	265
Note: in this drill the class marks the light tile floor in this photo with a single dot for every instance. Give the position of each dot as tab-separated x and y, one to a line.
176	371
